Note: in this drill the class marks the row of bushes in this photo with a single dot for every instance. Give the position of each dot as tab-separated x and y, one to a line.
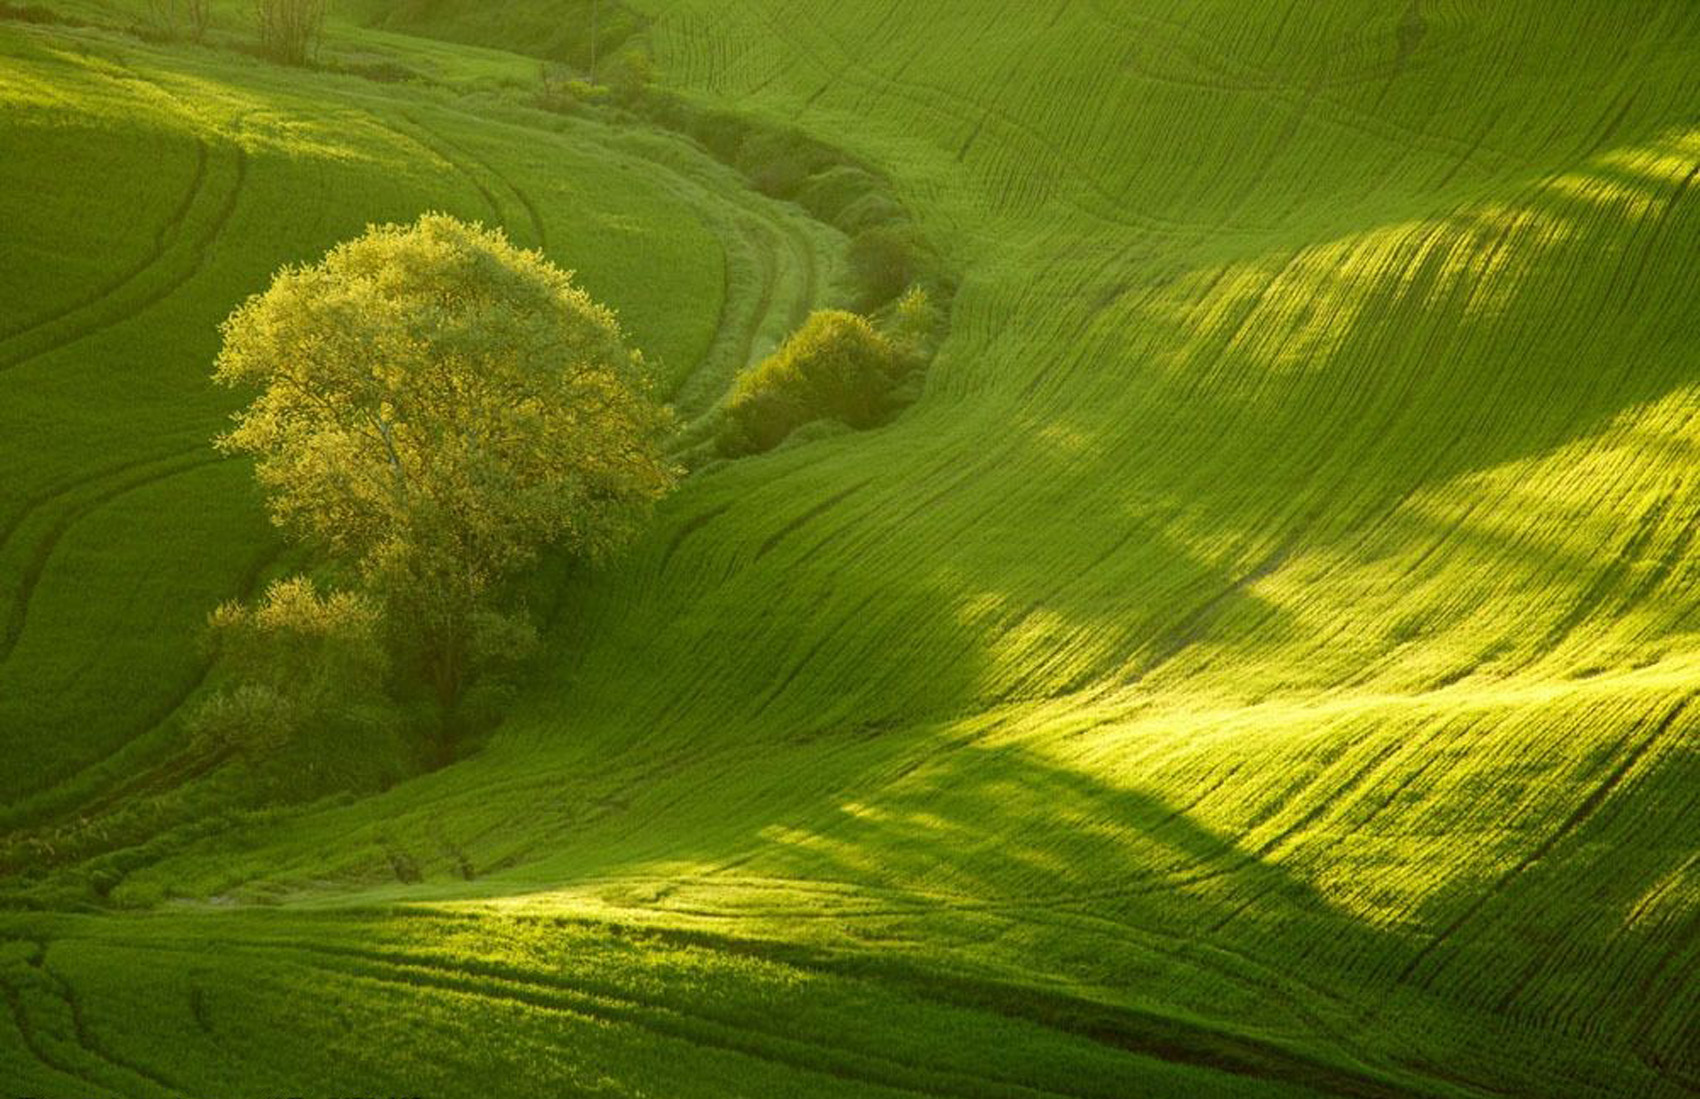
855	367
37	13
888	253
621	79
579	71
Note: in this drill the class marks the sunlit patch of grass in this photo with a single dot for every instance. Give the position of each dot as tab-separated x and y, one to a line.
1274	626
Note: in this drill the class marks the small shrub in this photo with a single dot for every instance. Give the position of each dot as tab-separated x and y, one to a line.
198	17
162	20
563	91
885	261
628	75
831	194
721	133
306	678
379	71
290	29
37	13
837	366
914	324
775	163
868	212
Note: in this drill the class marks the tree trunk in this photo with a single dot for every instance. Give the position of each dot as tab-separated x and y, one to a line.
448	675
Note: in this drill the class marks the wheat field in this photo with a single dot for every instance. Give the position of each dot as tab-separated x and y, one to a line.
1264	661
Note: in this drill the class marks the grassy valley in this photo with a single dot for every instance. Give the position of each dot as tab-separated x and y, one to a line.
1262	659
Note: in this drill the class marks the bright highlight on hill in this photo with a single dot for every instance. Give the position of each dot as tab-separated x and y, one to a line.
1258	655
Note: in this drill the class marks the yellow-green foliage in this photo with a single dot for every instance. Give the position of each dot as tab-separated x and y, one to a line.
437	406
432	390
914	322
837	366
1261	663
304	682
627	74
289	29
147	189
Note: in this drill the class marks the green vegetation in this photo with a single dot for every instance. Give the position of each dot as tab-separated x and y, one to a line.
1261	660
193	18
307	676
289	30
436	407
836	366
184	179
584	34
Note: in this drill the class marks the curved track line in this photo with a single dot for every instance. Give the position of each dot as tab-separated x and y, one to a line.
163	236
1579	816
538	230
35	503
423	137
1147	1034
12	630
200	249
32	1042
173	771
79	1027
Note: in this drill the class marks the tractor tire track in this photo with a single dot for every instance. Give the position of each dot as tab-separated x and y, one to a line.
171	772
620	1007
79	1027
1056	910
1139	1033
11	631
772	541
200	248
685	530
1584	810
62	489
539	231
163	237
33	1041
432	143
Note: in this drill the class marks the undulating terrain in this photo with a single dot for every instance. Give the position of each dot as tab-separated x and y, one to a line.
1264	661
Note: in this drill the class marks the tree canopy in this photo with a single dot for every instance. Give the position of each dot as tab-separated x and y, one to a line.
435	407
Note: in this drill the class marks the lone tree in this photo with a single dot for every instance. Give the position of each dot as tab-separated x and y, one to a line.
435	407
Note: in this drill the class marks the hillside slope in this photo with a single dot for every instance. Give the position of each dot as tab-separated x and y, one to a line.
1265	661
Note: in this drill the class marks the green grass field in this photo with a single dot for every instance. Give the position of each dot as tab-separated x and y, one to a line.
1266	660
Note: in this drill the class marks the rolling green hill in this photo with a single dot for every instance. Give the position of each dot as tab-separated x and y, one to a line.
1265	661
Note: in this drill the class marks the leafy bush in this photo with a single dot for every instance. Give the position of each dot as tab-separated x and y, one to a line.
722	133
914	323
849	197
305	685
37	13
784	163
837	365
778	162
628	74
885	261
564	91
379	70
583	34
169	18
